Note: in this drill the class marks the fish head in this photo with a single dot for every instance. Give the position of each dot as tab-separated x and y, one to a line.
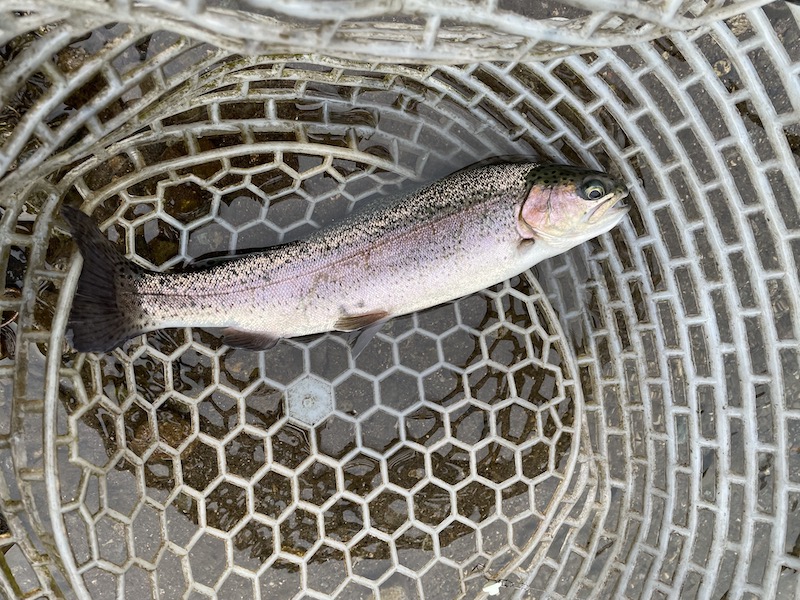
565	206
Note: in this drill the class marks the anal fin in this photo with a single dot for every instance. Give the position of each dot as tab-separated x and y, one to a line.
249	340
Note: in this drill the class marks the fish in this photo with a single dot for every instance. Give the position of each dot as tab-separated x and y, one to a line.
397	255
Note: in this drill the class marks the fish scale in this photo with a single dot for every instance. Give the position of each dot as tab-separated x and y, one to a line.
396	255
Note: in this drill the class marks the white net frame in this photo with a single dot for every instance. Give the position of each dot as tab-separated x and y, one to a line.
677	332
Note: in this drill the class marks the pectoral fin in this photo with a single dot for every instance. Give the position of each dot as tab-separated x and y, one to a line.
249	340
353	322
525	244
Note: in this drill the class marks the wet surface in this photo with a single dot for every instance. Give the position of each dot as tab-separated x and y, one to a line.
184	447
200	429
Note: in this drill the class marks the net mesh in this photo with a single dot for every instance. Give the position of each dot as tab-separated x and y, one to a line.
409	30
624	421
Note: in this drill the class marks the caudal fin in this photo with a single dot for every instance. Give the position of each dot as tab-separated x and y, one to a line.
105	308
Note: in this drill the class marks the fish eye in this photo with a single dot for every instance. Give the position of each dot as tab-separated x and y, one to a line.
593	189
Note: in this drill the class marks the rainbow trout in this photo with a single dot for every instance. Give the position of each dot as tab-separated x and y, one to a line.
456	236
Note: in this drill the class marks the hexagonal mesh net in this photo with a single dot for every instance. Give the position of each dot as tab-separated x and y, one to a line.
624	421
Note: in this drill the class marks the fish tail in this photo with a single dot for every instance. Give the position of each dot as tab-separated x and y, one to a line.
105	308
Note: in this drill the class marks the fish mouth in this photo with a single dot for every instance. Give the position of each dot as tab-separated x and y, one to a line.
609	208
